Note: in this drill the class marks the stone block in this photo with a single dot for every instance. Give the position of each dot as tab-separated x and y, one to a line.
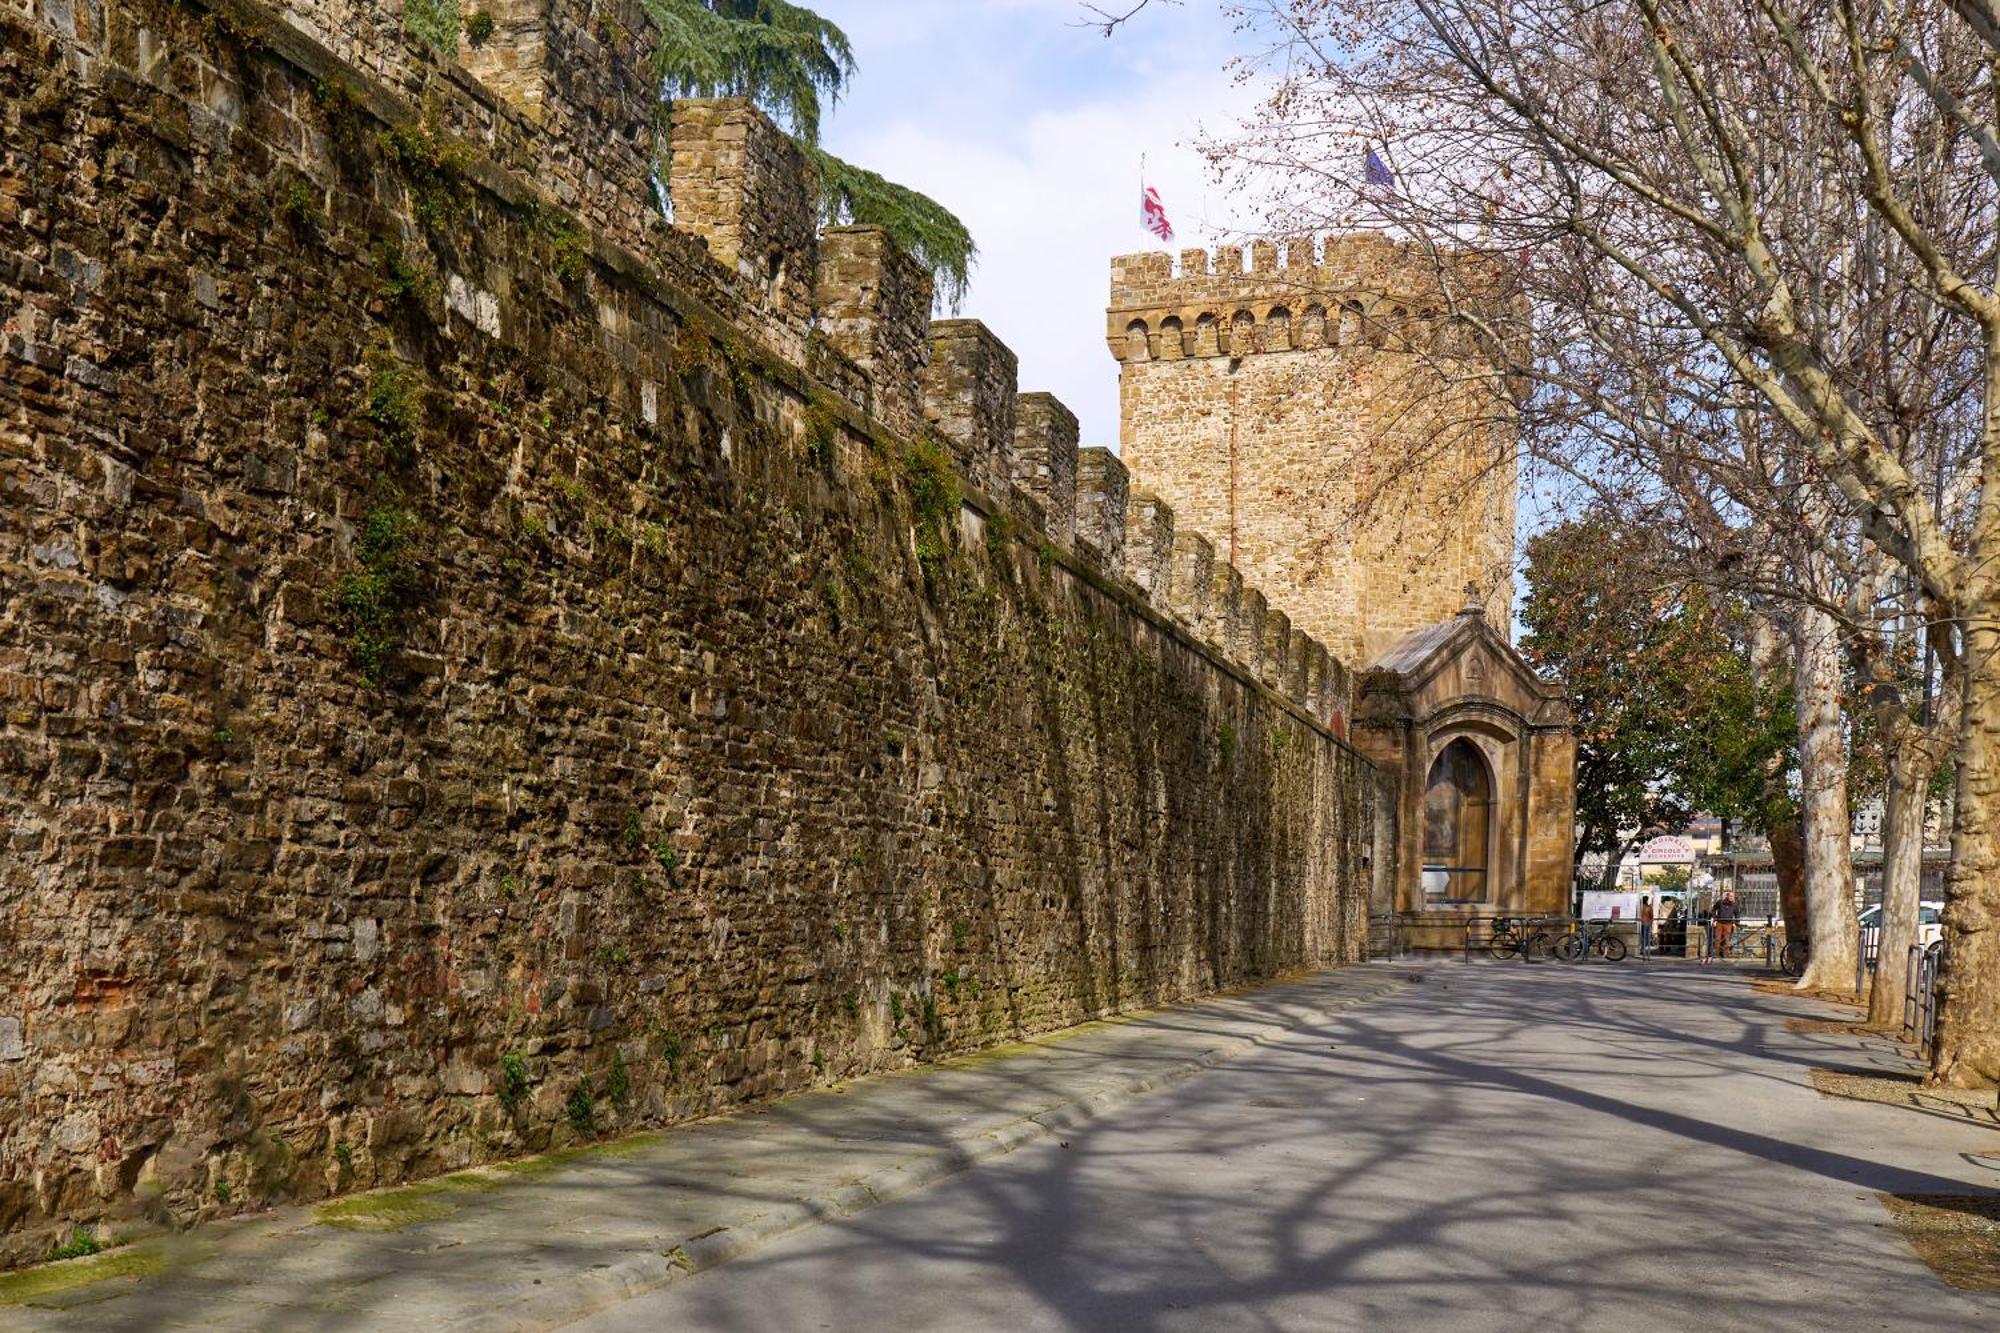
1149	547
746	189
1251	613
1045	436
872	303
1314	678
513	60
583	72
1224	608
1277	635
1102	488
1193	578
1294	683
969	396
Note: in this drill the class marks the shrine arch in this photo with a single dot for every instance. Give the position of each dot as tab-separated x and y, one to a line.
1458	825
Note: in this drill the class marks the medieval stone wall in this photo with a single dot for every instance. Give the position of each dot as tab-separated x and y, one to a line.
1315	418
481	669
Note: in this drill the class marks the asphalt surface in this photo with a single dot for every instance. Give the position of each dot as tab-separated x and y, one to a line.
1497	1147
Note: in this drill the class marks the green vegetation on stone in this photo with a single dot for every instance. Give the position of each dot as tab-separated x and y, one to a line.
374	596
936	498
394	398
81	1243
513	1079
434	165
436	23
407	1206
33	1285
581	1107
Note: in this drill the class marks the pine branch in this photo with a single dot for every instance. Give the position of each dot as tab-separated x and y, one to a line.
784	57
918	223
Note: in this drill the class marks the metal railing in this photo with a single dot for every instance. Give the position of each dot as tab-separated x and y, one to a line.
1749	938
1482	933
1866	952
1385	936
1920	996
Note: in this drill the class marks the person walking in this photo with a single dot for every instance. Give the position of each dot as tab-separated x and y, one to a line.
1724	922
1646	925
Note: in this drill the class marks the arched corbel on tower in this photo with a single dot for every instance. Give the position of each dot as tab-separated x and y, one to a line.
1353	324
1138	343
1172	341
1242	333
1375	326
1312	328
1276	334
1207	335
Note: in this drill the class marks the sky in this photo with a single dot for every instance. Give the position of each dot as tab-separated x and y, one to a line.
1030	128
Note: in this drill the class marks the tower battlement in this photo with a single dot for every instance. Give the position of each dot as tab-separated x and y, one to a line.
1300	295
1320	410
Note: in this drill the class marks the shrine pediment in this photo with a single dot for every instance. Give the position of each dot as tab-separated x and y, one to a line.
1458	662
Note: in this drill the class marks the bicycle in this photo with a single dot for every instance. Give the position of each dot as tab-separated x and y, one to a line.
1748	941
1577	945
1511	937
1792	961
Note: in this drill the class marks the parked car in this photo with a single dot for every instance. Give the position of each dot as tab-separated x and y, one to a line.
1930	921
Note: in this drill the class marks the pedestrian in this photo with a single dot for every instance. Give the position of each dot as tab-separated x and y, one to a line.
1726	914
1645	925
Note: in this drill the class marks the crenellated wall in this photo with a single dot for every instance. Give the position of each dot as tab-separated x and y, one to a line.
482	667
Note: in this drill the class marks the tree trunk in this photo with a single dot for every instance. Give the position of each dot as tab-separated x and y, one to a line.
1902	876
1823	816
1788	861
1614	861
1781	819
1968	1028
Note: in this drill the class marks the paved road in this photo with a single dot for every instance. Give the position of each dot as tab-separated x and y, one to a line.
1500	1147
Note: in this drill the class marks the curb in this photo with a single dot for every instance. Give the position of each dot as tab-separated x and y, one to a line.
640	1273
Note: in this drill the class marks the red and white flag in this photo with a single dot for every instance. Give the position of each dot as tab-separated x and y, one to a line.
1153	214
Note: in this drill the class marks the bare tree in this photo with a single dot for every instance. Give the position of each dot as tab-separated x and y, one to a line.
1771	201
1108	21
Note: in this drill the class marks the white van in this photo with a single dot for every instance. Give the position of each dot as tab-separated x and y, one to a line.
1930	922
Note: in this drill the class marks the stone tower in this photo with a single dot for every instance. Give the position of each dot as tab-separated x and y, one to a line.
1315	419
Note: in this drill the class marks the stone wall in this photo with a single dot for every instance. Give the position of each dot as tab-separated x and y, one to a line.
468	685
1317	418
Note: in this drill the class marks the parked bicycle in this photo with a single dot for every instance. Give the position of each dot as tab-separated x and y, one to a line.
1749	941
1793	959
1519	937
1593	939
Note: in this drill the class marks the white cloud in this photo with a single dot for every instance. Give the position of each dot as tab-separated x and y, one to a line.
1032	130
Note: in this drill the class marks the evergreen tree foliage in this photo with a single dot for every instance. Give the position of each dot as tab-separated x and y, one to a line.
921	225
793	63
1669	722
781	56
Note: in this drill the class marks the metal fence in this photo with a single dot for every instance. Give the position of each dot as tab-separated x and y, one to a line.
1920	996
1868	884
1756	896
1385	936
1867	951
